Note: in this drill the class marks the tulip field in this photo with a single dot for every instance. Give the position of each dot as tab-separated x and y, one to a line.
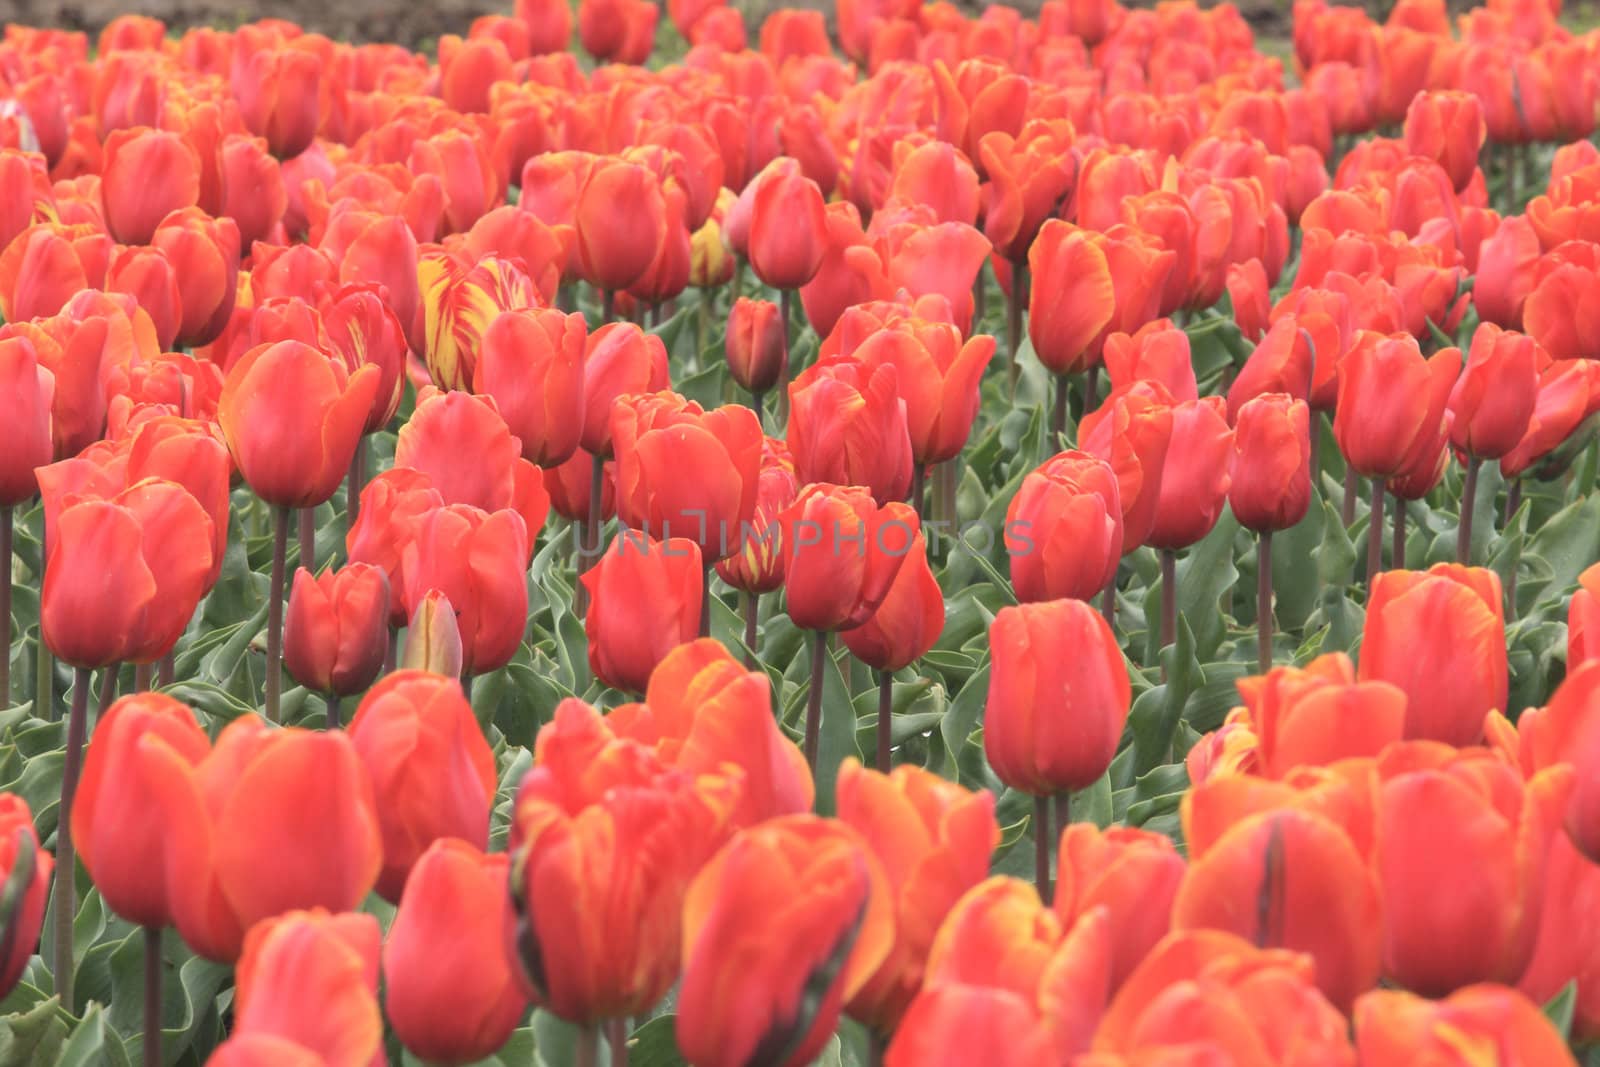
881	535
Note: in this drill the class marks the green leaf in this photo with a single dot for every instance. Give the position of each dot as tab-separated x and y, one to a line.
1569	541
961	721
34	1036
1560	1009
655	1044
95	1043
1156	713
1204	576
837	741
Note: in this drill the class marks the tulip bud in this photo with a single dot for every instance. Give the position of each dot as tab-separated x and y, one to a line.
1058	697
1391	400
1271	487
147	175
1493	400
757	345
645	599
1064	529
1196	475
336	631
788	227
531	364
619	359
433	640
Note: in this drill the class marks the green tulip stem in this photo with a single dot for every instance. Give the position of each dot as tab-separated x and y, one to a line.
885	719
1375	535
152	995
355	482
1169	601
589	550
785	303
66	905
1041	847
5	606
1469	497
752	607
330	703
308	539
819	658
1264	602
275	592
1397	542
617	1038
587	1053
1058	412
705	599
1019	286
45	665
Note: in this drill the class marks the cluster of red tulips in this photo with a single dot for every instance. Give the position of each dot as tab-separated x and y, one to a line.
428	326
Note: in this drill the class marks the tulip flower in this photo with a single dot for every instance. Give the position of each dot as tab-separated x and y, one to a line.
253	825
147	175
310	979
621	220
279	91
477	559
431	769
602	828
847	425
1583	620
1194	486
336	634
1393	1026
204	253
1566	948
45	265
1239	1002
26	870
645	598
1132	431
30	388
391	506
146	274
363	331
1000	935
1064	529
1157	350
686	472
798	957
788	228
955	1024
758	565
531	363
617	31
449	990
1569	395
463	446
1439	636
757	346
1448	128
1271	487
1053	718
937	379
459	303
934	840
704	713
1132	874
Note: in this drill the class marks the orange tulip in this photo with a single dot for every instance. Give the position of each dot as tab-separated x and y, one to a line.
145	274
449	989
1132	431
1569	394
1391	403
1030	175
122	824
1053	717
279	92
269	821
391	506
934	840
756	344
618	31
254	193
1463	820
908	622
336	632
796	957
788	228
999	935
602	830
950	1025
310	979
687	472
847	425
619	359
148	174
204	253
22	930
620	216
463	446
363	332
46	264
1439	636
841	555
1448	128
1064	529
937	379
294	462
1493	400
1158	350
1132	874
531	364
479	561
1271	487
629	633
1394	1027
430	767
1196	475
1318	715
30	390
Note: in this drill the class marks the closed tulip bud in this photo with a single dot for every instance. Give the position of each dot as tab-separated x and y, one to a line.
29	389
1064	529
619	359
531	364
1396	1027
124	574
1271	486
645	599
279	91
934	840
433	638
449	990
1237	998
147	175
908	622
311	979
254	193
1251	297
710	259
45	265
1467	820
1196	475
431	769
1133	874
757	344
937	378
847	425
1319	896
686	472
798	957
601	828
1058	697
618	31
371	249
757	567
336	632
1132	431
123	816
204	253
841	552
1448	128
25	871
1000	935
479	560
621	220
1583	620
292	417
1391	399
1493	400
1439	635
788	228
271	820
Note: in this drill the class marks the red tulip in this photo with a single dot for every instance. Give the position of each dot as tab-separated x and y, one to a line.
757	345
841	552
148	174
788	228
1133	874
30	391
620	215
1271	487
1132	431
279	92
1391	403
1064	529
645	600
938	378
757	567
1493	400
145	274
478	560
17	836
908	622
531	363
46	264
1196	475
204	253
619	359
336	632
847	425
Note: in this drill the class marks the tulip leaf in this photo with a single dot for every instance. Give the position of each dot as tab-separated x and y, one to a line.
963	718
1335	557
1568	542
34	1036
1205	576
655	1044
1156	713
96	1043
189	986
837	741
1560	1009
